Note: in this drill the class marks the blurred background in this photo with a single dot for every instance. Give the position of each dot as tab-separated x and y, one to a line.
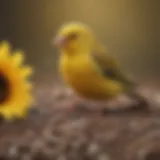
129	28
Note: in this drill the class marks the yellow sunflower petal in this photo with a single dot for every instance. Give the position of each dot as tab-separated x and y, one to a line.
27	71
31	100
18	57
29	86
19	99
6	112
4	49
20	113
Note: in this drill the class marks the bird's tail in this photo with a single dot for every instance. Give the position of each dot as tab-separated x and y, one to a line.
131	90
134	94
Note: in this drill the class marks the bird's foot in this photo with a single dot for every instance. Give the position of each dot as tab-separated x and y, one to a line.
84	105
78	105
120	104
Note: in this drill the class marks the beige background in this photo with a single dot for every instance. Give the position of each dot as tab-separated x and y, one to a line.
129	28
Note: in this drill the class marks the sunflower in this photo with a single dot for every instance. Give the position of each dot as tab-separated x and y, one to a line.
15	87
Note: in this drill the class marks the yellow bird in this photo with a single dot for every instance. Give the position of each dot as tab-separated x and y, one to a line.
87	68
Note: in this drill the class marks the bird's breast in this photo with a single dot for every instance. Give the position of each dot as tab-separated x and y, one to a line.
81	75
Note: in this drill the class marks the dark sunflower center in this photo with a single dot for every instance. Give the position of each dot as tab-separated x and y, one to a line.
4	88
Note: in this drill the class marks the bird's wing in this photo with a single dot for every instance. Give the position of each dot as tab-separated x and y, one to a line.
110	68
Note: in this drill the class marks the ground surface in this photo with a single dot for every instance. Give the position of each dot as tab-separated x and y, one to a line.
57	132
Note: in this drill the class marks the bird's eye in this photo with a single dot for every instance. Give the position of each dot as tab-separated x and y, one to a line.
72	36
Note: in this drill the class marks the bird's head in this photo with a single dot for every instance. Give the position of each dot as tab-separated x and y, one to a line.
74	36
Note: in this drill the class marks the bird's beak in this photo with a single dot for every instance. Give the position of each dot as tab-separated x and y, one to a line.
60	41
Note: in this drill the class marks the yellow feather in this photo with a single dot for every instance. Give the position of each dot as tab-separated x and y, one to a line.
84	65
81	74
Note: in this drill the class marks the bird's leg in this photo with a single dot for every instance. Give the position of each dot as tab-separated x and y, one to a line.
78	103
82	104
74	102
86	105
118	104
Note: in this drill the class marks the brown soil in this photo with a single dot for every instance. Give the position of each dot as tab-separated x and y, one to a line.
59	130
